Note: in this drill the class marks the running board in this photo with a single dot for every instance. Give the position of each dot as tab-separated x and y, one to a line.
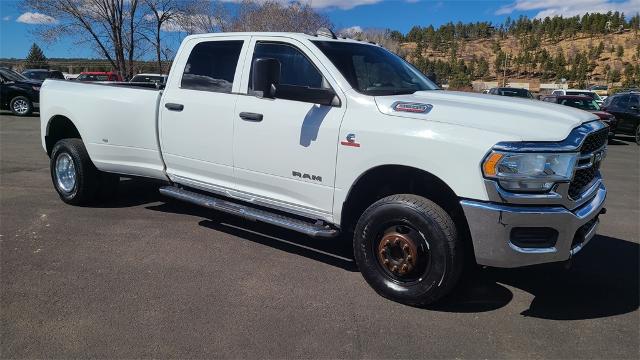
317	229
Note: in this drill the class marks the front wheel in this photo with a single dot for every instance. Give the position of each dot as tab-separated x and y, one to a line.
408	250
21	106
638	134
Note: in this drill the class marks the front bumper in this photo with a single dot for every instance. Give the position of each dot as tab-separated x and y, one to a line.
491	228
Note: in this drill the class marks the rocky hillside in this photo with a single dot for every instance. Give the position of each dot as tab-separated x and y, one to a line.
608	58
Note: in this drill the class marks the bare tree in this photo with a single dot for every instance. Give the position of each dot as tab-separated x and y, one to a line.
274	16
162	13
202	16
109	25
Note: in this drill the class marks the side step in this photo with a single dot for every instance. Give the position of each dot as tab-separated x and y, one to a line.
317	229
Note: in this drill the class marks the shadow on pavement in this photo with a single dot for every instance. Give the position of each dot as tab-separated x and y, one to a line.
603	280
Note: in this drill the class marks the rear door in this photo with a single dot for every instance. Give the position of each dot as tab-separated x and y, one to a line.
288	157
197	112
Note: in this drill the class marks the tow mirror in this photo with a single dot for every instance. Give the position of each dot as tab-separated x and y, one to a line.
265	76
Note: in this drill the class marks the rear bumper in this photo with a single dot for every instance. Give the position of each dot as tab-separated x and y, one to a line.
491	226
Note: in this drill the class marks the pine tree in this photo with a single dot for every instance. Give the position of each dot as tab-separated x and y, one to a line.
36	58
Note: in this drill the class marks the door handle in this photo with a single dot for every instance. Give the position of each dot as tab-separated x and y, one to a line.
174	107
249	116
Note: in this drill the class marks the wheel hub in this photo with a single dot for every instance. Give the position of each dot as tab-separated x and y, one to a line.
398	252
65	173
20	106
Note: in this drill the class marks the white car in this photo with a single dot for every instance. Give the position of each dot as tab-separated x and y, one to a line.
326	136
588	93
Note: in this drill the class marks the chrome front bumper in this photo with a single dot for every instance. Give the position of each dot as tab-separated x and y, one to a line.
491	228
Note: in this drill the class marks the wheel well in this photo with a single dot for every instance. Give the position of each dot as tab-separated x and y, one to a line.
59	128
386	180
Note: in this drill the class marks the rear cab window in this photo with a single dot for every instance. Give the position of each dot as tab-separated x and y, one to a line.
211	66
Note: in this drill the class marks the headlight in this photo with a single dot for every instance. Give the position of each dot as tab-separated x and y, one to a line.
36	88
529	172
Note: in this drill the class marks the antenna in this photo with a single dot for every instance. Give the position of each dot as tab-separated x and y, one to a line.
325	32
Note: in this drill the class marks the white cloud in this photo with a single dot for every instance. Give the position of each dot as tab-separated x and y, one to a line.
570	7
342	4
36	18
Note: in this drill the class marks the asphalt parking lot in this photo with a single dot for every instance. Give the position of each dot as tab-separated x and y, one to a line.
142	277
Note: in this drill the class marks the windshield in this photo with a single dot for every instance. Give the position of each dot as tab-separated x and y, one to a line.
523	93
584	104
37	75
12	75
91	77
372	70
590	94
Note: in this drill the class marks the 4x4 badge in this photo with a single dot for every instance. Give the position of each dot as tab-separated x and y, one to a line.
351	141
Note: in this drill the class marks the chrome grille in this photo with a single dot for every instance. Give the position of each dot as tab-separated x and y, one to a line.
585	175
595	141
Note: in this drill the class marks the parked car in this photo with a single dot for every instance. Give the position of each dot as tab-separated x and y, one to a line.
157	79
601	90
98	76
310	135
591	94
43	74
511	92
17	93
68	76
626	108
586	103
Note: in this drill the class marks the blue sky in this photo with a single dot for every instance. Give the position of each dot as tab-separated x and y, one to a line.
16	26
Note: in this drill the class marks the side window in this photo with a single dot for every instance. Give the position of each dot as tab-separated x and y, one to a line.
622	101
212	66
633	101
295	68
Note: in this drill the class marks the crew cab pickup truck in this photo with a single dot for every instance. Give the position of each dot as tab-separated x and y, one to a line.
329	136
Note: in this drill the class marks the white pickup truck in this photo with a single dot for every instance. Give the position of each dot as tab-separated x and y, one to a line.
327	136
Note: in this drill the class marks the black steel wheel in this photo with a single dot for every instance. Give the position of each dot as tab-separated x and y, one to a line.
407	249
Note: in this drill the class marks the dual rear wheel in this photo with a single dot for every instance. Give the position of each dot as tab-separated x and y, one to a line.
74	176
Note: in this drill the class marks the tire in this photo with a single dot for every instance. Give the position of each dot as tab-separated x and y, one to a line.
383	242
637	134
74	176
21	106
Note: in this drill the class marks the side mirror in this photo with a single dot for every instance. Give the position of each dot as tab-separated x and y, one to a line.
265	76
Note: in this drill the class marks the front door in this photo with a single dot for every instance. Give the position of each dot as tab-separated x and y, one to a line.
197	113
287	155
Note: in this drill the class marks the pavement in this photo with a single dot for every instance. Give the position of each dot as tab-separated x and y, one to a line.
140	277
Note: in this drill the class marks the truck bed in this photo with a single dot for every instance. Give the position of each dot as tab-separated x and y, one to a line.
117	122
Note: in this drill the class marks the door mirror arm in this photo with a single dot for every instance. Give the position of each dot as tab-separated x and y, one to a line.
318	96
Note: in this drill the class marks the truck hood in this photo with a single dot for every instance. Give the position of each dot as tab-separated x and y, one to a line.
528	120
